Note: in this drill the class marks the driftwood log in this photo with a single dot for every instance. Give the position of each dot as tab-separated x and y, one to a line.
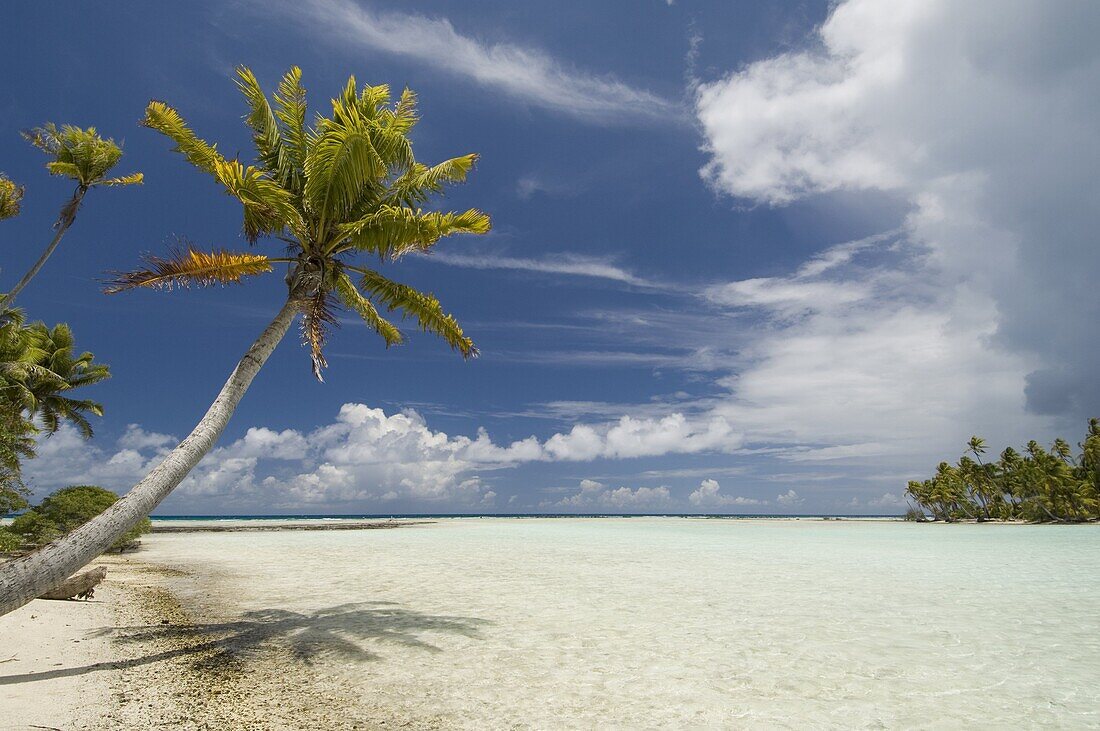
78	586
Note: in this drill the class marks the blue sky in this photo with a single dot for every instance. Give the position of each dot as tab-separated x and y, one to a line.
745	257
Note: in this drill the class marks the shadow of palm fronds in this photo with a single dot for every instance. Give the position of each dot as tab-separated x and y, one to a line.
336	631
347	631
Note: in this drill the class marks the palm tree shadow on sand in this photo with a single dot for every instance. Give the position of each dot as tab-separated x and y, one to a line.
340	631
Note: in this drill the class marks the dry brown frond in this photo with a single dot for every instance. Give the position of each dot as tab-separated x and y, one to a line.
317	317
187	267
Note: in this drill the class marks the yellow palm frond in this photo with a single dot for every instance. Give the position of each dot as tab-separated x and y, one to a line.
404	113
191	266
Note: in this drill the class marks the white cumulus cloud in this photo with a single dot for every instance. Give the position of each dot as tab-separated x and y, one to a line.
595	496
709	495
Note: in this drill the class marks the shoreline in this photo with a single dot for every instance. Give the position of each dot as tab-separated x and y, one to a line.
241	527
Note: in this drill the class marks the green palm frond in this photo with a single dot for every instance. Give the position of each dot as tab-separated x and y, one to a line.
422	306
268	207
420	182
166	120
290	108
404	114
80	154
392	231
340	163
39	371
11	196
266	135
355	301
191	266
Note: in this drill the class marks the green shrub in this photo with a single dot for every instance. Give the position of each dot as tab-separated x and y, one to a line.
65	510
8	540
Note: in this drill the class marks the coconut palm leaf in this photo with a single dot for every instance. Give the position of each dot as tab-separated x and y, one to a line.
424	307
290	109
266	135
352	299
166	120
191	267
131	179
268	207
420	182
392	231
340	162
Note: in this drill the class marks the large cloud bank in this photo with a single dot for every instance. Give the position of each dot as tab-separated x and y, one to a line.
982	116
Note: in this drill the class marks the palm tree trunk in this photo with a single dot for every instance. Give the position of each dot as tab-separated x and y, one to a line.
25	578
64	221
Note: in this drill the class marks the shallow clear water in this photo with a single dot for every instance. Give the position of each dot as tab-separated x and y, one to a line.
674	623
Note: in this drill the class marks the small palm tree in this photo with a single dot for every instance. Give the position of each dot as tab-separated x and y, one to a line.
38	372
81	155
11	195
53	406
347	186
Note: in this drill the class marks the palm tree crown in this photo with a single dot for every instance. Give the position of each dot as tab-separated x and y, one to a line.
346	185
11	196
80	154
39	369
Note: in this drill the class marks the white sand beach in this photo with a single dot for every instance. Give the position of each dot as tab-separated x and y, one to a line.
560	623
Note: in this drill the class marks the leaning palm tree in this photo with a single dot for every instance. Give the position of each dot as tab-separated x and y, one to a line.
348	185
81	155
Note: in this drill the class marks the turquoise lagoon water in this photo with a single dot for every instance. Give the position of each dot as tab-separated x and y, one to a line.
680	623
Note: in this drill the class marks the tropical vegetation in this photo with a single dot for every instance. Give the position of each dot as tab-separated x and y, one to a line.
1039	485
66	510
78	154
338	197
11	197
39	371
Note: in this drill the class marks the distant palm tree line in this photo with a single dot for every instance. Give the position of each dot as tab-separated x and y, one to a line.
1039	485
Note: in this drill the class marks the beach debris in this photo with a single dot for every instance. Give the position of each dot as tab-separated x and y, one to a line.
78	586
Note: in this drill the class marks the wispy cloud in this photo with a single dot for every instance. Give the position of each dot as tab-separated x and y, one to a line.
577	265
526	74
530	185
